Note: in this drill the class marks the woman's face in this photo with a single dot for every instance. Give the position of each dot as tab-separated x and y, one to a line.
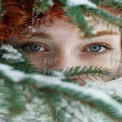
63	45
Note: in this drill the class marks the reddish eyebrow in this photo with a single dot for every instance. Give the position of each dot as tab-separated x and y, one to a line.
105	32
42	35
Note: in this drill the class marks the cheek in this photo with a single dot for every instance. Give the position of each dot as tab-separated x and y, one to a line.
95	60
115	61
115	65
108	60
40	60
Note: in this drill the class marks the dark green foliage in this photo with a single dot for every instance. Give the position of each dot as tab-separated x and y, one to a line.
87	71
105	15
80	21
115	4
41	5
0	8
12	97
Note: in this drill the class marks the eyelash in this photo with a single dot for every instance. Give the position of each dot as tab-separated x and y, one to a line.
108	48
23	45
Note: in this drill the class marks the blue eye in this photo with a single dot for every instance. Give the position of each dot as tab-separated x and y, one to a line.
32	47
95	48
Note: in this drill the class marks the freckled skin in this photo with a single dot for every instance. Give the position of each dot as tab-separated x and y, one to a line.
65	48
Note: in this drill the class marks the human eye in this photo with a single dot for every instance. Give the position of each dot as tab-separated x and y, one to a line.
97	48
32	47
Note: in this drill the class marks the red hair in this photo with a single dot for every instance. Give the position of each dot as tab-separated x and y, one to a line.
17	15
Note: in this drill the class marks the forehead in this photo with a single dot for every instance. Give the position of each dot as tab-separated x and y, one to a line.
98	25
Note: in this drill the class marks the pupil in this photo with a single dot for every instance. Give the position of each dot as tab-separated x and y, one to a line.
95	48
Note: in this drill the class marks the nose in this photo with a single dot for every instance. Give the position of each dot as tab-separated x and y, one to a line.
62	60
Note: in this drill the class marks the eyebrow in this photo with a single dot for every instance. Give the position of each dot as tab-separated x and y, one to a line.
105	32
42	35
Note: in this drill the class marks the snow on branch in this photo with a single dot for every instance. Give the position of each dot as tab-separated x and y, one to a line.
11	53
87	95
80	2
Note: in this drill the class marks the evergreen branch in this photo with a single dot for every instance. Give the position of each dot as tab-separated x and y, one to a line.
115	4
75	13
55	102
105	15
87	71
16	58
86	95
11	98
38	82
42	5
114	87
80	21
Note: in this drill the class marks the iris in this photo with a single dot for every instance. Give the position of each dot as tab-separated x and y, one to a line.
95	48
